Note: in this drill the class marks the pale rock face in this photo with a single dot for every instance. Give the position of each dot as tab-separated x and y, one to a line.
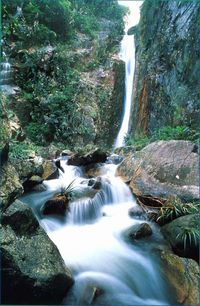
162	169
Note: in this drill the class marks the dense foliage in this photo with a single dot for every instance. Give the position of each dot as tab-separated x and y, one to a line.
44	40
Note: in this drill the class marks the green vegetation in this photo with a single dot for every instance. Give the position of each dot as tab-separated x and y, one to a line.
164	133
22	150
174	208
189	236
68	191
44	40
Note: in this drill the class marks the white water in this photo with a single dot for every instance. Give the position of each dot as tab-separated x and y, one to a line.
127	54
91	241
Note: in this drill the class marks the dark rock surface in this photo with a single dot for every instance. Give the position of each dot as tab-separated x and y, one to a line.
33	271
95	156
162	169
20	218
138	231
58	205
179	231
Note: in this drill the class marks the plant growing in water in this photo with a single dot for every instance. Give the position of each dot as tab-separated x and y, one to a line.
68	191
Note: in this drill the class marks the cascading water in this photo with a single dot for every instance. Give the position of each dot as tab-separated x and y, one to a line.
5	74
127	54
91	239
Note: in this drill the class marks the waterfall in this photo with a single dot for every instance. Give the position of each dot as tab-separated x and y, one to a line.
127	54
5	73
91	240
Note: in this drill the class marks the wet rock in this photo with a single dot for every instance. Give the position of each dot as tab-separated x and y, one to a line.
95	156
33	271
93	170
89	294
58	165
10	186
39	188
95	183
162	169
183	235
66	153
20	218
138	231
136	212
182	274
58	205
114	159
50	170
32	182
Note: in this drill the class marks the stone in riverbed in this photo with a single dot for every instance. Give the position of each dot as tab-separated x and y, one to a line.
138	231
58	205
33	271
95	156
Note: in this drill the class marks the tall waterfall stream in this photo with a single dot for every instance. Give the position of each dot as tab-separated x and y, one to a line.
91	240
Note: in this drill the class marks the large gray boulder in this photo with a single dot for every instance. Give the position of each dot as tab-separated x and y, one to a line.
33	271
162	169
183	235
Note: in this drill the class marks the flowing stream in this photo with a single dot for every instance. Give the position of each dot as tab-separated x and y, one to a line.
108	269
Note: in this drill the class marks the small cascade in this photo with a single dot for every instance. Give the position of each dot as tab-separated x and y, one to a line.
92	243
5	73
6	77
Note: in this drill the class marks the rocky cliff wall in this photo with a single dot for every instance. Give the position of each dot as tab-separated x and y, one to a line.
166	85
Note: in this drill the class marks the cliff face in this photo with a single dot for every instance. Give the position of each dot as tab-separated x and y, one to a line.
166	86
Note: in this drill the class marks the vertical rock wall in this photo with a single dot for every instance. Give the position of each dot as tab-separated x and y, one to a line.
166	89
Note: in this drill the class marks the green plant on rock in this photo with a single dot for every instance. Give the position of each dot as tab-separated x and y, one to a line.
174	208
68	191
189	237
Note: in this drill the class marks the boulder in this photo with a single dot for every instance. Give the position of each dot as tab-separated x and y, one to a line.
32	182
20	218
93	170
66	153
114	159
50	170
162	169
183	276
33	271
58	205
39	188
28	167
138	231
136	212
181	234
95	156
10	186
